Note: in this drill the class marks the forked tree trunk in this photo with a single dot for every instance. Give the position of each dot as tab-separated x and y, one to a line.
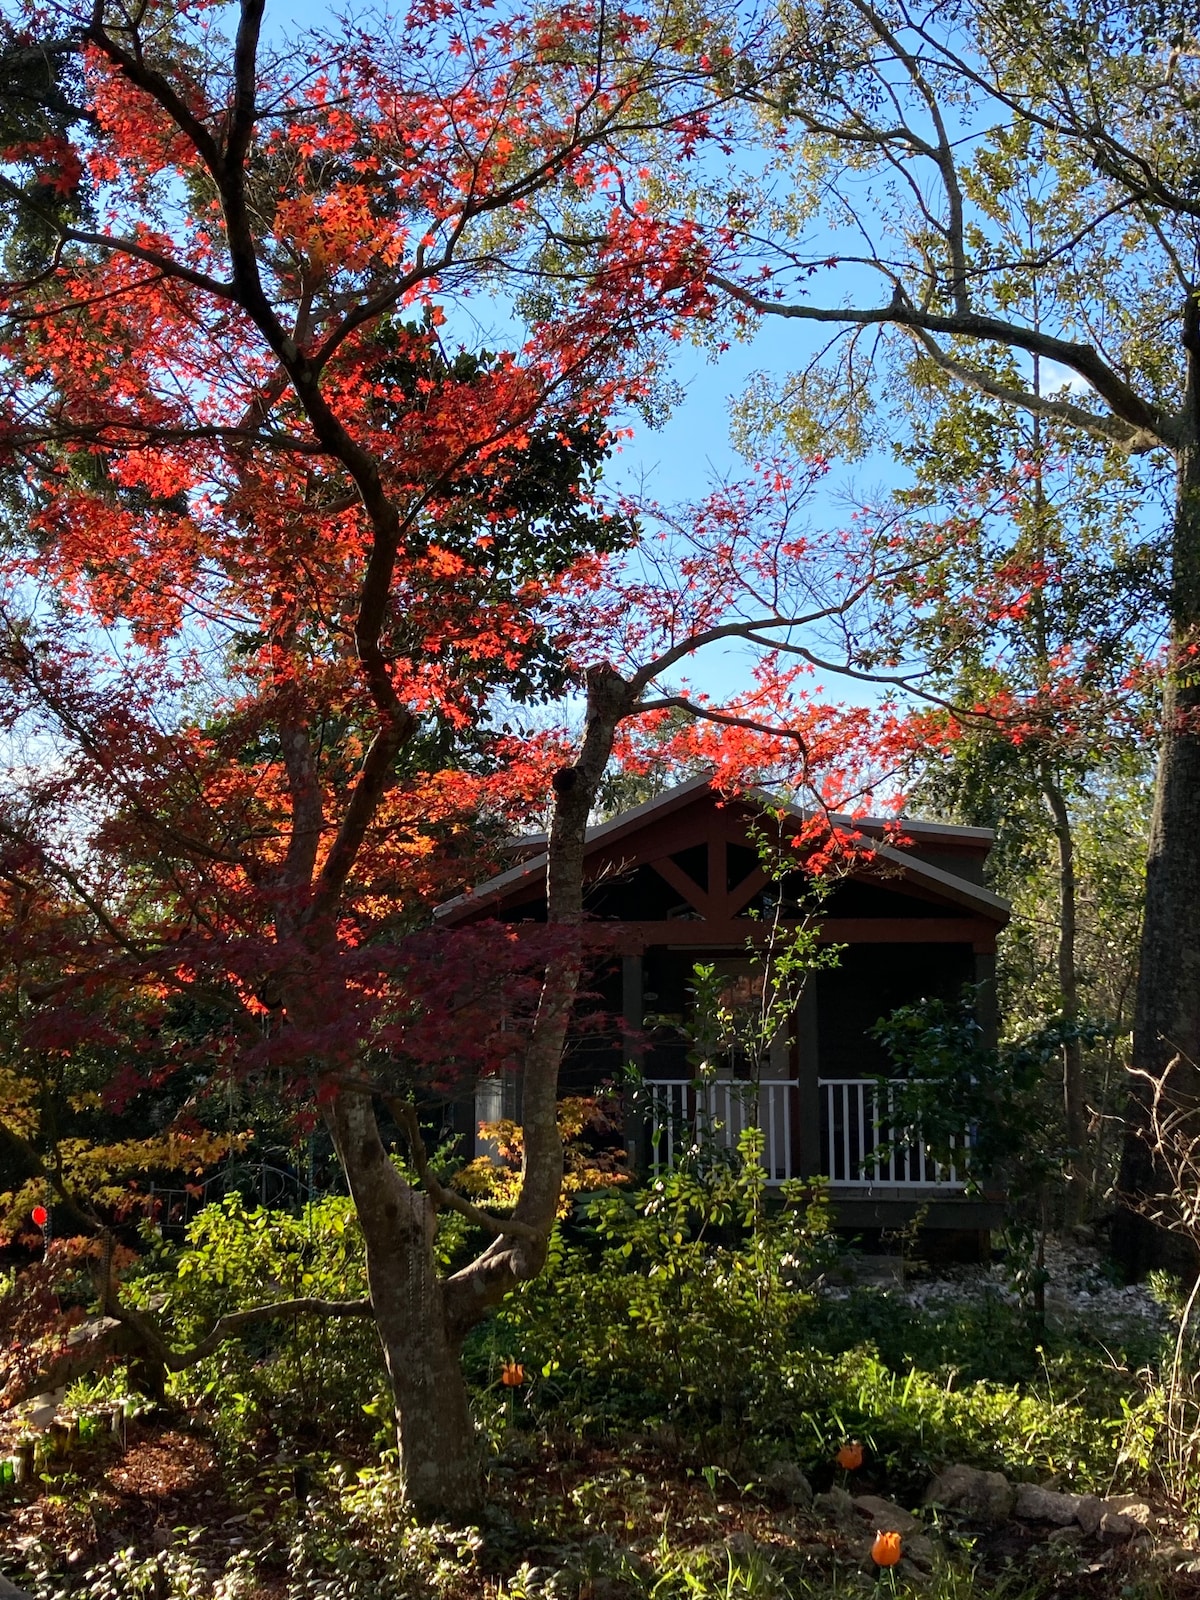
421	1318
439	1462
1167	1012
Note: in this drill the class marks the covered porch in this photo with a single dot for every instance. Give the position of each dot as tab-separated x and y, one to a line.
677	881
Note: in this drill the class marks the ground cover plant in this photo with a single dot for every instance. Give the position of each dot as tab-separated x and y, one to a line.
637	1402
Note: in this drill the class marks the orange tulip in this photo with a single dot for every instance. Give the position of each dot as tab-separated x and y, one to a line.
850	1456
512	1374
885	1552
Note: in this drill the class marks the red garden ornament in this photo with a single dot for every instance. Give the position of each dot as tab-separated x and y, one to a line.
40	1216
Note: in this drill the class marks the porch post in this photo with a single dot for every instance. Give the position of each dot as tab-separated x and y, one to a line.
807	1072
987	1011
986	1005
632	1018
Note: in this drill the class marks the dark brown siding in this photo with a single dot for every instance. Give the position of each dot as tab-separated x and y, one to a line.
869	982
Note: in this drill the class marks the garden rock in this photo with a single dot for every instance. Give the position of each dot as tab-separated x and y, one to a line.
40	1409
9	1591
1115	1526
912	1574
1135	1508
1070	1536
1088	1513
1046	1505
1099	1564
838	1507
919	1550
986	1495
740	1543
886	1514
784	1478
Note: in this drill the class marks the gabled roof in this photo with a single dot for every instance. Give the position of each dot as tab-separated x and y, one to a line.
945	884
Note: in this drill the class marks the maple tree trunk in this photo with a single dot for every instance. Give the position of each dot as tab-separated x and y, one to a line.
435	1437
422	1318
1068	985
1167	1010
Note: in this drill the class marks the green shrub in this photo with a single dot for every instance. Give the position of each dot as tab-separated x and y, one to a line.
677	1305
688	1305
914	1423
302	1379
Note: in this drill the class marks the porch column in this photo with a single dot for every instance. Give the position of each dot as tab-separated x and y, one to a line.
807	1072
987	1012
632	1017
986	1005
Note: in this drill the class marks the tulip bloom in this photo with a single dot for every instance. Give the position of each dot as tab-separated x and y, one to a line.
885	1552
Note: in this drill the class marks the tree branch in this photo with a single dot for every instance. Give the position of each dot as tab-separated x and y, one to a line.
1111	428
1149	426
150	1335
406	1117
727	719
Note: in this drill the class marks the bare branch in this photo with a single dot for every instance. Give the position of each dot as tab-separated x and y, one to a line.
1149	426
152	1337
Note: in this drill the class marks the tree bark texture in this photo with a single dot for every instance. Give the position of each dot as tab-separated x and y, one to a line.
1074	1117
439	1461
1167	1010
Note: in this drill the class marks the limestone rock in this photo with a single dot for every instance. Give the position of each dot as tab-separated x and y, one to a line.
986	1495
785	1478
1046	1505
886	1514
1088	1513
1134	1508
9	1591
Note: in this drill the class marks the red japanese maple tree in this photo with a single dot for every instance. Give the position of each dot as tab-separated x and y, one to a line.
277	543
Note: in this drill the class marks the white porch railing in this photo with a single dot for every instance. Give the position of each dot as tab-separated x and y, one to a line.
681	1111
855	1122
855	1118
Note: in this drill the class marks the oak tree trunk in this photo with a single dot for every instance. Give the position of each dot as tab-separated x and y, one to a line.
1167	1010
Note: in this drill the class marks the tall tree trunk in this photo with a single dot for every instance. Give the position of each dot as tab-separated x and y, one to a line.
1068	987
1167	1010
